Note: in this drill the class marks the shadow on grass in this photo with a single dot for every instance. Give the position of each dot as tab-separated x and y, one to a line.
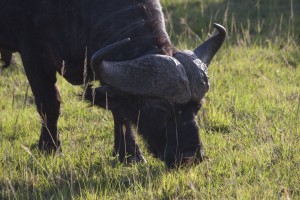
76	180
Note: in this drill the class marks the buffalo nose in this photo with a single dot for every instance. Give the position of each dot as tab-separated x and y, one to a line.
195	159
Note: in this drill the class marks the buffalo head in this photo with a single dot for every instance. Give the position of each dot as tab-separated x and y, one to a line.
160	94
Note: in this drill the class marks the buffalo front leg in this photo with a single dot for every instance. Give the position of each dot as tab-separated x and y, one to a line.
124	141
41	75
49	110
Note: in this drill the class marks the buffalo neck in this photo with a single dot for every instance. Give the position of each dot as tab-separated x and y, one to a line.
142	21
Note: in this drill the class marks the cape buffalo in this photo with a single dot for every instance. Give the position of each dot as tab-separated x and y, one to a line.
145	81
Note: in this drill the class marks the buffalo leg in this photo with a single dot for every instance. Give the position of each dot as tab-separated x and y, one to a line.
41	75
124	143
118	132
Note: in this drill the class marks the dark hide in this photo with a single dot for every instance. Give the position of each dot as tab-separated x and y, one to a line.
60	36
55	36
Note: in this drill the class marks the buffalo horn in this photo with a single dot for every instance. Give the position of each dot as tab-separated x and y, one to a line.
103	53
206	51
149	75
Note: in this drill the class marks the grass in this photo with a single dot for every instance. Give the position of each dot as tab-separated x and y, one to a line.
249	123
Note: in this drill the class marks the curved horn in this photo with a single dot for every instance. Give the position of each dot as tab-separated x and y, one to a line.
103	53
149	75
206	51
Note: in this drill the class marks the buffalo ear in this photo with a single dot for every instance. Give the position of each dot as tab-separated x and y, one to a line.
104	96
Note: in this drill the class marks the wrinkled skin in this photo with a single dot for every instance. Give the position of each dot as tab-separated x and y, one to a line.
170	130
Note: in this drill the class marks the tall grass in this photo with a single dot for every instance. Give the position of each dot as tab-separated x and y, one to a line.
249	123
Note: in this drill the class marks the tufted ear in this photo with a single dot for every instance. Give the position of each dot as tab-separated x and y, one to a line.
105	97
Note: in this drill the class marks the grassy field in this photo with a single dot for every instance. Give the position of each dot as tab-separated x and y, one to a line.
250	122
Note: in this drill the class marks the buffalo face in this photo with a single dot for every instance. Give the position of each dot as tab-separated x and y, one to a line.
170	130
183	144
160	94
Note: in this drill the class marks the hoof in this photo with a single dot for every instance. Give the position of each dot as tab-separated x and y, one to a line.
50	148
5	66
135	159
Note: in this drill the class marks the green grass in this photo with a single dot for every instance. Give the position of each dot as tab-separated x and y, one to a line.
249	123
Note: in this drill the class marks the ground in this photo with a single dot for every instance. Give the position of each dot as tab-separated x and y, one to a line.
249	124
